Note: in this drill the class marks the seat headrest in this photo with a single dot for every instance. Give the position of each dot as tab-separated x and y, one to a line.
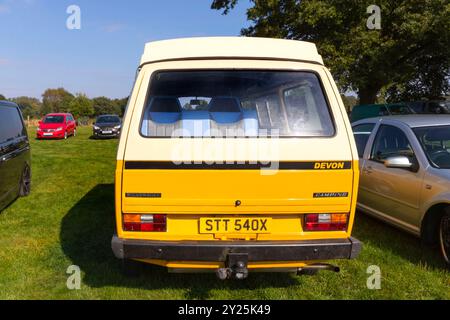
165	109
165	104
225	109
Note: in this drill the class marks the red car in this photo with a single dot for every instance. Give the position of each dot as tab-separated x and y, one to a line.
57	126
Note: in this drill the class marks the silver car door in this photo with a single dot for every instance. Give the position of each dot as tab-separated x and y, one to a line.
393	193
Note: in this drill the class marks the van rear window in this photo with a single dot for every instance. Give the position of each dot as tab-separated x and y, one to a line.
236	104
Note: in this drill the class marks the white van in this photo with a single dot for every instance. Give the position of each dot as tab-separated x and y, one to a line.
236	155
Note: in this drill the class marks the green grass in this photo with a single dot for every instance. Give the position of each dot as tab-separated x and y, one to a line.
68	220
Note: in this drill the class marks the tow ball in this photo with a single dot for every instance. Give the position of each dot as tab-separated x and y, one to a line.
235	267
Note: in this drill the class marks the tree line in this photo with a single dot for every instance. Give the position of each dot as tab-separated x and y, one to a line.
60	100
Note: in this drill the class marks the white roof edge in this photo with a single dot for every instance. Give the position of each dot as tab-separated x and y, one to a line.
230	47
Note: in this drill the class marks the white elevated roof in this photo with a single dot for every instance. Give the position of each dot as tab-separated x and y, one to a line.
230	47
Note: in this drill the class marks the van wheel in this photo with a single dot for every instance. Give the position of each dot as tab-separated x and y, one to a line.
25	182
444	236
130	268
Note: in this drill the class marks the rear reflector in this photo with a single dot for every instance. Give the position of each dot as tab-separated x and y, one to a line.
145	222
326	222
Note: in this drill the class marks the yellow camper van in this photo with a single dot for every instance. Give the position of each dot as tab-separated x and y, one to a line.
236	156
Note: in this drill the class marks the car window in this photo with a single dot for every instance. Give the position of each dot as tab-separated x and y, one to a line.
362	133
417	107
435	142
391	142
53	119
108	119
11	125
383	111
235	103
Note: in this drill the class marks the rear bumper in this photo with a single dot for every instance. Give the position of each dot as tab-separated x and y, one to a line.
218	251
58	135
99	134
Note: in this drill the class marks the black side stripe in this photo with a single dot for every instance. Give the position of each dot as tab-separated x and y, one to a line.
168	165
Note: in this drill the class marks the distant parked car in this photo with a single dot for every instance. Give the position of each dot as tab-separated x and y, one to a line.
376	110
15	159
107	126
434	107
57	126
405	174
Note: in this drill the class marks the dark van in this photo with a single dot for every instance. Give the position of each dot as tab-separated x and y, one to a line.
15	158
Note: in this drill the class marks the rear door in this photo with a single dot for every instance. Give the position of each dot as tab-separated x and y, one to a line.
308	168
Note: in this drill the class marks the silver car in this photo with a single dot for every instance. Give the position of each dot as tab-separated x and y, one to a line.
405	174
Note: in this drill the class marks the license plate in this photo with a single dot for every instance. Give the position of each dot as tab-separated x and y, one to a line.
235	225
106	132
48	134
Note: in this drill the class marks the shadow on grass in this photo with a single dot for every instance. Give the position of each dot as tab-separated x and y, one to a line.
402	244
86	234
88	227
92	137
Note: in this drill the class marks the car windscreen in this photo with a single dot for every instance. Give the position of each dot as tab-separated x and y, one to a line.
435	142
53	119
236	103
108	119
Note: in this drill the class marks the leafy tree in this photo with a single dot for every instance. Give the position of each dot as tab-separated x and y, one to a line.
349	102
121	105
414	40
2	97
426	84
56	100
31	107
81	106
103	105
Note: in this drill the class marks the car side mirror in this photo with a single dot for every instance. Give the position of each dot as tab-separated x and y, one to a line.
400	162
40	122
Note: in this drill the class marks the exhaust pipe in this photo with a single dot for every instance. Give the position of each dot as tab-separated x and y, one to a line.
314	268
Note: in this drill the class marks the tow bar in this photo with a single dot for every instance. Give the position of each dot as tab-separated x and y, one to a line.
235	267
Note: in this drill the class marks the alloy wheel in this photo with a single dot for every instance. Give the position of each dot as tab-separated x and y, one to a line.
444	237
25	184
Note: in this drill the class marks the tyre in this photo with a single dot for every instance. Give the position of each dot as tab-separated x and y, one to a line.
444	236
131	268
65	135
25	182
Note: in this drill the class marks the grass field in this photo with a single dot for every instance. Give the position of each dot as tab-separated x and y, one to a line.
68	220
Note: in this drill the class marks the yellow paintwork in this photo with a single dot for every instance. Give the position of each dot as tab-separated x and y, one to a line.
284	196
216	265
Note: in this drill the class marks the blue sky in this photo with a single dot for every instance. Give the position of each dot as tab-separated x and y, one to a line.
37	51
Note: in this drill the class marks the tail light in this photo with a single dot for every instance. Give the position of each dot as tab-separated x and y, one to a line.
326	222
145	222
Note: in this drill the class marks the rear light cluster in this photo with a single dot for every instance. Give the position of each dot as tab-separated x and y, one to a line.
145	222
326	222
